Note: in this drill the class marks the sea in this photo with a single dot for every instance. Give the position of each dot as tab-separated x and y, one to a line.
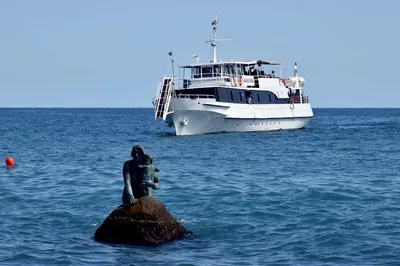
328	194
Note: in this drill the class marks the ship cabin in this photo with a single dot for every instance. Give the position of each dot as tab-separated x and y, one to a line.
257	82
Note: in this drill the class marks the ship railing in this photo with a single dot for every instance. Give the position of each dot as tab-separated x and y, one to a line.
225	80
195	96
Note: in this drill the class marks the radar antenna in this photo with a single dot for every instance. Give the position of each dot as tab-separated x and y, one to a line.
213	41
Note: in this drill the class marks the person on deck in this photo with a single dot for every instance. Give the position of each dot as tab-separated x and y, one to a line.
250	99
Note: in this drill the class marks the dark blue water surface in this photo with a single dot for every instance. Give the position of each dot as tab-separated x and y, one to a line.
328	194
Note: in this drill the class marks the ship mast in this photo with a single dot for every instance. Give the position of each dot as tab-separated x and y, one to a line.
214	41
296	75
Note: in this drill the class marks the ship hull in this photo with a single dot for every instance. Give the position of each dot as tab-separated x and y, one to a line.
208	116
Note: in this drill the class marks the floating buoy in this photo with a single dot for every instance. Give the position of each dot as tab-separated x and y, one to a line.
10	161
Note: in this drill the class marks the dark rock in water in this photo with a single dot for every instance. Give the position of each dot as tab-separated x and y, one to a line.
147	222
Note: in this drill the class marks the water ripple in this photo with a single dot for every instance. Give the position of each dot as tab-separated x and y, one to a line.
325	195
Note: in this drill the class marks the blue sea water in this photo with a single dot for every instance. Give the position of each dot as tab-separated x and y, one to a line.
328	194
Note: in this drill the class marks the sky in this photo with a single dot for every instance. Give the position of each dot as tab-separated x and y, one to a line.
98	53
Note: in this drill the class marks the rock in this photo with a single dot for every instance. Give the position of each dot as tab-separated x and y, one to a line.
147	222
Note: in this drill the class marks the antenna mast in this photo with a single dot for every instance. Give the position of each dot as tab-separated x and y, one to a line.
214	41
296	75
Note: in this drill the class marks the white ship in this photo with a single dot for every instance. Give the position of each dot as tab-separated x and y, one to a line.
228	96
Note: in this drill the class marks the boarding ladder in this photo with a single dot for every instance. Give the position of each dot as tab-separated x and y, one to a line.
163	98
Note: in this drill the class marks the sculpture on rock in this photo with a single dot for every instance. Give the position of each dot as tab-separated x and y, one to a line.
145	223
141	219
140	176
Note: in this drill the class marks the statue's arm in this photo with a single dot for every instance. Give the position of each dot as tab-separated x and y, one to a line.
156	179
127	182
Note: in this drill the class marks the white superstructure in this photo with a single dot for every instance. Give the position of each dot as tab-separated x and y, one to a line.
226	96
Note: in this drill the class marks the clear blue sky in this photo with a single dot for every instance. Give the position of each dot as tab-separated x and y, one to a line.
97	53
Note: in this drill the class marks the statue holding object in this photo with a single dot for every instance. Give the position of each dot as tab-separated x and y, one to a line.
141	219
140	176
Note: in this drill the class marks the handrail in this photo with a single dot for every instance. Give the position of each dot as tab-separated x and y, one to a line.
170	88
229	80
226	80
157	98
161	104
195	96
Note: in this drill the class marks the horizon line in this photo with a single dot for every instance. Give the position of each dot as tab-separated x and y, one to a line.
144	107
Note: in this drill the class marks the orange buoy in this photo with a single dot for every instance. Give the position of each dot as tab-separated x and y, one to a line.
10	161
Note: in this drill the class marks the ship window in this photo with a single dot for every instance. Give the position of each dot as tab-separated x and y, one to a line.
269	96
258	97
226	71
229	70
231	96
232	69
206	71
240	94
239	70
196	72
217	71
245	70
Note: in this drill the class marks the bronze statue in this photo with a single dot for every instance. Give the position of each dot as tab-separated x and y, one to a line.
140	176
141	219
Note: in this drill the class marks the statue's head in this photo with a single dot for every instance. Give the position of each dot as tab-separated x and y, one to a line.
138	153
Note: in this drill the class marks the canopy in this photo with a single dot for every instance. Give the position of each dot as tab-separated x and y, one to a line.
255	62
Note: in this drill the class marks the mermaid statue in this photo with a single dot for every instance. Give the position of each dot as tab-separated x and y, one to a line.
140	176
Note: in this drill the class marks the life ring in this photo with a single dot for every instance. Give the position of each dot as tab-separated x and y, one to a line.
240	81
